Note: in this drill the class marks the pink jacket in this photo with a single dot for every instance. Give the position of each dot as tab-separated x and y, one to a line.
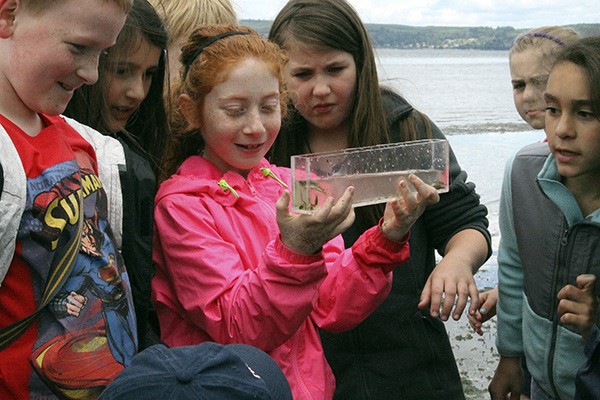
223	274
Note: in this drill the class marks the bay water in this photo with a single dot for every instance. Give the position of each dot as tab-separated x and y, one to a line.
468	95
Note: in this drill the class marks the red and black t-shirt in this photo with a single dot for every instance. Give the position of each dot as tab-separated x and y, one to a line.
86	335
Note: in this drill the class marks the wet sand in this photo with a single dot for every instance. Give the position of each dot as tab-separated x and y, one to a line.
476	355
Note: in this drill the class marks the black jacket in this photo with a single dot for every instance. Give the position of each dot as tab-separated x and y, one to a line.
138	185
400	352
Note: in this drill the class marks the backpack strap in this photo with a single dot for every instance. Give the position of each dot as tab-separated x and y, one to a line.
12	199
60	270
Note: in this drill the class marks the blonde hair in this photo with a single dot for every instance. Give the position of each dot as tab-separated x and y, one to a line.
547	40
183	17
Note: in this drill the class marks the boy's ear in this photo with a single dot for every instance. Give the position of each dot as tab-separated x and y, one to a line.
8	11
188	110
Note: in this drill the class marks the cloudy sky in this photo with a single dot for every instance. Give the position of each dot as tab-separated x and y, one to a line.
493	13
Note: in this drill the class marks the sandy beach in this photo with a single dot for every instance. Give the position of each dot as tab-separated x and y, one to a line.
476	356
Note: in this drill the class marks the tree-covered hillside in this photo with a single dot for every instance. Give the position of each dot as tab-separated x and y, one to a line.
417	37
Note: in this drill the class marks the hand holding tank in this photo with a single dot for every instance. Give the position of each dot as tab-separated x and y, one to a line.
372	170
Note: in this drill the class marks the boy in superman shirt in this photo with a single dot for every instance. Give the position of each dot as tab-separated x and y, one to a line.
54	209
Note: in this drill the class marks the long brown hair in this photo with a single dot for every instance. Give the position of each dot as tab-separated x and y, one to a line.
335	25
146	130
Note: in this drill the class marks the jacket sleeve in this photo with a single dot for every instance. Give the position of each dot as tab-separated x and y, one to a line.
458	209
210	284
138	185
358	280
509	339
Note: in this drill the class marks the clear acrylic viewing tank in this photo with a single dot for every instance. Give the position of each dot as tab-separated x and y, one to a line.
372	170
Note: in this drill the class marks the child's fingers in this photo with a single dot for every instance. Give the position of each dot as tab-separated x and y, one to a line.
586	282
336	211
405	197
283	202
344	204
424	191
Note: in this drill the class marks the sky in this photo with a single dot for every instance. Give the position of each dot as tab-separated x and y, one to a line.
490	13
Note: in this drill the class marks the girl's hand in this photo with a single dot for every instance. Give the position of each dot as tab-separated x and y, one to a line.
578	306
489	299
307	233
402	213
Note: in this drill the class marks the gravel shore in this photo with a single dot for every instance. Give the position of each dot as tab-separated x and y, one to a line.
476	355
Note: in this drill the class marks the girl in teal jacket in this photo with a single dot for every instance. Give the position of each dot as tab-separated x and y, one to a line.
550	225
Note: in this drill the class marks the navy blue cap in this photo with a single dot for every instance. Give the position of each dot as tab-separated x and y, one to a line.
208	371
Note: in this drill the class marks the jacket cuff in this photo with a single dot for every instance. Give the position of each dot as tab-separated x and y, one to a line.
295	257
374	250
398	245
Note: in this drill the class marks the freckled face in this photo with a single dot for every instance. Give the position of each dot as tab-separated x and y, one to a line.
529	75
572	128
128	83
322	86
47	56
241	117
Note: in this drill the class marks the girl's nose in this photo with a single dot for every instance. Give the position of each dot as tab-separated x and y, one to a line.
136	88
565	127
321	87
254	124
532	93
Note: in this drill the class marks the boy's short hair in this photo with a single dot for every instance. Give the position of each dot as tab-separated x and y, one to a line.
38	6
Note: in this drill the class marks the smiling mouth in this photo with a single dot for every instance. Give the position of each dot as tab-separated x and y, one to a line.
250	146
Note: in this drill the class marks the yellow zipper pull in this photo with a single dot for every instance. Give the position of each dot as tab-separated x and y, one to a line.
267	172
225	186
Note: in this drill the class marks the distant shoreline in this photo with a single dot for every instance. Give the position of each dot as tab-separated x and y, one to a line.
393	36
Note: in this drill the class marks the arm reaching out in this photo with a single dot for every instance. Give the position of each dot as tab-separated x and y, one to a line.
487	310
451	283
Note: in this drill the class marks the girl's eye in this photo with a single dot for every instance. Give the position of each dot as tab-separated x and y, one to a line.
78	48
301	75
585	114
234	112
122	71
119	70
270	108
150	73
551	110
335	70
518	86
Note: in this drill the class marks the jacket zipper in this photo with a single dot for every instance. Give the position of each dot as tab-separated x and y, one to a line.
565	254
558	282
267	173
